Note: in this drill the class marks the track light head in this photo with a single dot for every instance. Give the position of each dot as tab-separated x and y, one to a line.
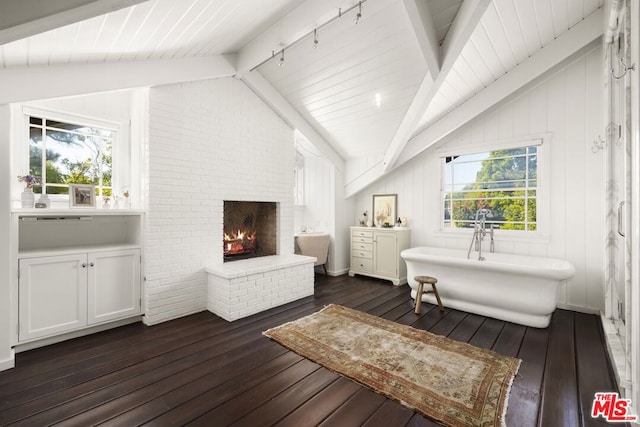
315	38
281	62
359	14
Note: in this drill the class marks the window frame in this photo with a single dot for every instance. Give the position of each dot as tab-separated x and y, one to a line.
541	141
21	141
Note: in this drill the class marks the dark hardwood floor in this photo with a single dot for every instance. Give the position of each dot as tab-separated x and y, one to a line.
202	370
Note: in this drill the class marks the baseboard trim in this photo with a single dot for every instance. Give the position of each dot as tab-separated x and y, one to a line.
578	309
336	273
9	363
41	342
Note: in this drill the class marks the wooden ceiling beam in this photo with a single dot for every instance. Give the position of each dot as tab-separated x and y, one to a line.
567	44
25	84
24	18
290	115
425	31
463	26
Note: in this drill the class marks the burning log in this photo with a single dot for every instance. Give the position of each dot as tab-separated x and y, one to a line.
240	242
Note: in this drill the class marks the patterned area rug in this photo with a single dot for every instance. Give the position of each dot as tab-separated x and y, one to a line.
453	383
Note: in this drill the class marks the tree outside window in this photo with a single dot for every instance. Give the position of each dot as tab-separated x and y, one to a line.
503	181
63	153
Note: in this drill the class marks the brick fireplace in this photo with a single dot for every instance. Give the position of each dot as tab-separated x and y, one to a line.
200	135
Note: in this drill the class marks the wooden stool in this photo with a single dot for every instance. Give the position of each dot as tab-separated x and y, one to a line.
421	281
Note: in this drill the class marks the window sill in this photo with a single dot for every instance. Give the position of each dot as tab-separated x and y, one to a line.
75	212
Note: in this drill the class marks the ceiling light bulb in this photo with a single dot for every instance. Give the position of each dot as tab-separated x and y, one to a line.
281	62
315	38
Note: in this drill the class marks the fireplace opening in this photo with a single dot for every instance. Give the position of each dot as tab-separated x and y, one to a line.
249	230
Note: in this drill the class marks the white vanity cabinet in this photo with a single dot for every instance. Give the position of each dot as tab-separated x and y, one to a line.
375	252
53	295
75	271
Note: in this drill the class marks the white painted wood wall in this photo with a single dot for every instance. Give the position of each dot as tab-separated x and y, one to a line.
569	105
325	209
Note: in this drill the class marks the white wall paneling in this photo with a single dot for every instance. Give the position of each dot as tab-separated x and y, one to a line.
325	209
318	191
567	105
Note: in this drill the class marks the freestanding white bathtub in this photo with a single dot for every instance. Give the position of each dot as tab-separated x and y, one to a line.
515	288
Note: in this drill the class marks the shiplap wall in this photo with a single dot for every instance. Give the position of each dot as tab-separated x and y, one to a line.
325	209
568	105
318	190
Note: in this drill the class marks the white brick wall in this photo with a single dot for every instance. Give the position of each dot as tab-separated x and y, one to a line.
266	282
209	141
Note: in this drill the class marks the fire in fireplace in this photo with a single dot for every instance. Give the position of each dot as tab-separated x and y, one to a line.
240	242
249	229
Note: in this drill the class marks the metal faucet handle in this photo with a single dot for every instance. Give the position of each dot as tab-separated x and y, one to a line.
486	213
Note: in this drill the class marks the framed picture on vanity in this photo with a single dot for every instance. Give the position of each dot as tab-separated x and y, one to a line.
82	196
385	209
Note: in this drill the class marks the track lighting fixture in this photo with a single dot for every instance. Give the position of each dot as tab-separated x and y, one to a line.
316	42
359	14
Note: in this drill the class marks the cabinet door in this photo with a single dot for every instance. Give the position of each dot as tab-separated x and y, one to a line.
385	257
114	285
52	294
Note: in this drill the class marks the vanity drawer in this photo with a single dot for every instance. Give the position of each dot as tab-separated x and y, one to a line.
362	233
361	264
361	246
358	253
358	239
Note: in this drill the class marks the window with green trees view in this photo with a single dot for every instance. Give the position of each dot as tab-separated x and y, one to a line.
63	153
503	181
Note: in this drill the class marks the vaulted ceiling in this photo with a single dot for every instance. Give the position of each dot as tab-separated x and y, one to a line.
408	71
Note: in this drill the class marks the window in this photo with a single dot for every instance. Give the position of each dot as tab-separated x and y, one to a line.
68	151
505	181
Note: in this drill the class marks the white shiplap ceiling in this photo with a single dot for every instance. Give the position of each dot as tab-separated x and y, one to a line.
150	30
335	85
366	89
509	32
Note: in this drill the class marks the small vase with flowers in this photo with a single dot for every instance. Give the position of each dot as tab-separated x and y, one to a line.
27	197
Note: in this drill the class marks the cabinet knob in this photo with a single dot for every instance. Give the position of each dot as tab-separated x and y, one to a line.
84	265
91	264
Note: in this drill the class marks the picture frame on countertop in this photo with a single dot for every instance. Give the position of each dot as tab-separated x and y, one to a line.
82	196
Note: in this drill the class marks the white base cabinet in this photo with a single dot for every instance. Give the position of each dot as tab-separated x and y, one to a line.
52	295
375	252
113	290
77	271
60	294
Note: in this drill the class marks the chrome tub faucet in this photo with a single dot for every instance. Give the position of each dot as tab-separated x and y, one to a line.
480	231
